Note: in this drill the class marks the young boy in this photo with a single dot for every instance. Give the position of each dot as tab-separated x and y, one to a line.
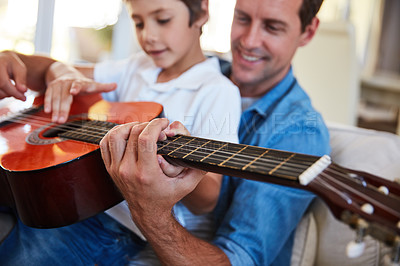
173	71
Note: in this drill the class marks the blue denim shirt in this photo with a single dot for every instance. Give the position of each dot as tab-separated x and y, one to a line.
256	221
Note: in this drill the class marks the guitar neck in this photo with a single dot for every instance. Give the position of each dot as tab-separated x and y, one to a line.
250	162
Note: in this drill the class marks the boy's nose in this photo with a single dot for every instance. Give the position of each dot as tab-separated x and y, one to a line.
149	35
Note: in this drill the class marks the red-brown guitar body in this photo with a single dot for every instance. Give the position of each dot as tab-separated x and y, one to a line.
51	181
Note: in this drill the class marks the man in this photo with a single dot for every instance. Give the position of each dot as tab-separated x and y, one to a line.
255	221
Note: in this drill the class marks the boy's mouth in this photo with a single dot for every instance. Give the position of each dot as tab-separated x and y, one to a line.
155	53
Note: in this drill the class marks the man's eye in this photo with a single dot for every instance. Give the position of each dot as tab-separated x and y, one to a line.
241	19
164	21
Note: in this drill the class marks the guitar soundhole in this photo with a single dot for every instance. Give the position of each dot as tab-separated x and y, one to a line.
50	133
55	131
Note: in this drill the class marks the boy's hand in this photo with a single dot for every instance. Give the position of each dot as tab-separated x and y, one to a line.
63	82
60	92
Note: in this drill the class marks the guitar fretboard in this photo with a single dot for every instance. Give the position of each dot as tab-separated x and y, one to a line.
91	131
251	162
238	159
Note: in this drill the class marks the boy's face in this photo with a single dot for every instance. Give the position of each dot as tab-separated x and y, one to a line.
163	32
264	37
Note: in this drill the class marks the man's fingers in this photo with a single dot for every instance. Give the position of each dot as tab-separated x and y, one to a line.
176	128
132	149
147	141
113	145
169	169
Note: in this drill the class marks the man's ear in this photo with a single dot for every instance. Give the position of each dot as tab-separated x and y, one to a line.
203	18
309	32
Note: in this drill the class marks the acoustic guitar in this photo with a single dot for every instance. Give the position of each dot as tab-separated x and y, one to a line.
53	174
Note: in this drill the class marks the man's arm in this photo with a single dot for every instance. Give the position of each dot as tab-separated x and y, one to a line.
173	244
130	154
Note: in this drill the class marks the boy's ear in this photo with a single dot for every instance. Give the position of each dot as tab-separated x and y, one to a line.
203	18
309	31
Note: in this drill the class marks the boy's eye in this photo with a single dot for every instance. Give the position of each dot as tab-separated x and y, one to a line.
138	23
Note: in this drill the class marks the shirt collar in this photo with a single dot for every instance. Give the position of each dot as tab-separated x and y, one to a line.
263	104
192	79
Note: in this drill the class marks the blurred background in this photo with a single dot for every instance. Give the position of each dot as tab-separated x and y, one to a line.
351	69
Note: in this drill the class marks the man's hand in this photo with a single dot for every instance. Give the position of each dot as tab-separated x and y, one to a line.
64	82
130	155
12	69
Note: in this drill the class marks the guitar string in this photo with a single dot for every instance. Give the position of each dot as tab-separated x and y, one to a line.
292	167
338	171
288	165
41	121
37	121
90	133
333	169
325	184
363	195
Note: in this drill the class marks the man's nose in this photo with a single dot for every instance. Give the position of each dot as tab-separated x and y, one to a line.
252	37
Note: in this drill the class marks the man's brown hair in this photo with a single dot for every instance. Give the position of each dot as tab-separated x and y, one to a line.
308	11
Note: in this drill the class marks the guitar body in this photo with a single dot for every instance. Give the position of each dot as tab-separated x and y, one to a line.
52	181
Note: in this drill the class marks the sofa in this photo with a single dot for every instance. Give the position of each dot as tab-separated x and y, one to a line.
320	239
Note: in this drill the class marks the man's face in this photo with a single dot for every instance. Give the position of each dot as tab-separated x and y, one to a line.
265	35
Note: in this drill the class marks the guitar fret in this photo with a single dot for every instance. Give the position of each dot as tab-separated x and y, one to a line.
182	145
196	149
213	152
279	165
226	160
255	159
167	143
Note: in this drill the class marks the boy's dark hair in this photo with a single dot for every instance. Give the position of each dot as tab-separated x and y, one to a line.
308	11
195	10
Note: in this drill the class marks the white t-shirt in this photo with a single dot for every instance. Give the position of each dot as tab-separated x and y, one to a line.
202	99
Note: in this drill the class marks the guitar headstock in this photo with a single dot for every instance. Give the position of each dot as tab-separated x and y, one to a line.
368	204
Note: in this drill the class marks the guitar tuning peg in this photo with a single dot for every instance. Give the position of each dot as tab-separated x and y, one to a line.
394	258
354	249
383	190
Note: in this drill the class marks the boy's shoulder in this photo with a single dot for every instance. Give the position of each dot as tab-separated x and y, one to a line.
214	71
